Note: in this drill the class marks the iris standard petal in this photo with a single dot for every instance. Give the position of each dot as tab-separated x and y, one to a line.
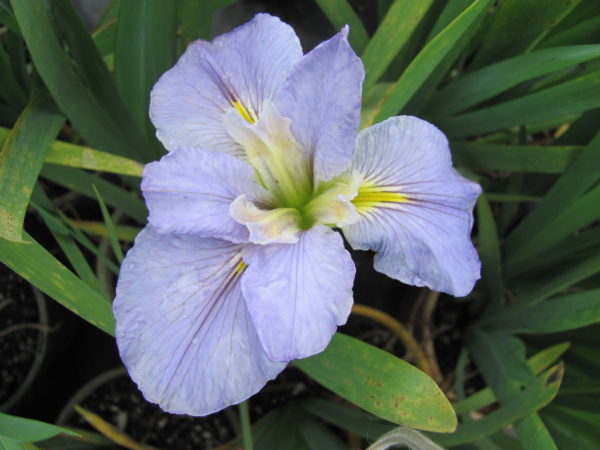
416	210
322	97
297	294
280	162
190	191
237	70
183	330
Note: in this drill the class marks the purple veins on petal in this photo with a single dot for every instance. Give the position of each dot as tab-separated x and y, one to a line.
236	273
239	69
183	328
297	294
416	209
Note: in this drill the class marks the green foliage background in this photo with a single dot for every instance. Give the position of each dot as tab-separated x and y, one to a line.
514	84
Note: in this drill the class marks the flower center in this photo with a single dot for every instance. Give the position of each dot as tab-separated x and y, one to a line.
284	168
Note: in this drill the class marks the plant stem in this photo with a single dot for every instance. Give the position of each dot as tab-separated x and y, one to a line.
246	427
412	346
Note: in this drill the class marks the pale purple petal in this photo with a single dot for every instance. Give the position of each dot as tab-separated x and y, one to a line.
190	191
322	96
246	65
297	294
424	239
183	330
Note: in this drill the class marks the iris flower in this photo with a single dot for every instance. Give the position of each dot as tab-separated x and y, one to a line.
240	269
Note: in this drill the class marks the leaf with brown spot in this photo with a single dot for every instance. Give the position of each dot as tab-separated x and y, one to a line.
392	389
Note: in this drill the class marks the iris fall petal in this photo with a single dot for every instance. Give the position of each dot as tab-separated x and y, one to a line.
183	329
416	210
297	294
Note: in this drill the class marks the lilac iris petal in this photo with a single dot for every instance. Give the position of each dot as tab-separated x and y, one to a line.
237	172
238	272
322	96
183	329
416	210
298	294
240	68
190	191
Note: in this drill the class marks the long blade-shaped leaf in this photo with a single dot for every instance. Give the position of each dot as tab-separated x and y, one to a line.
340	13
105	38
568	98
110	431
67	154
489	251
552	316
528	22
15	48
537	363
452	9
64	81
532	399
85	242
110	226
124	232
567	221
455	58
82	182
348	418
514	158
394	31
428	59
579	177
64	239
390	388
567	277
584	242
21	159
95	74
30	260
501	360
583	130
145	49
475	87
10	89
585	32
28	430
197	18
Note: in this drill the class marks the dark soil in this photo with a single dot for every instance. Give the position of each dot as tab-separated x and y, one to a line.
119	402
451	318
19	339
291	384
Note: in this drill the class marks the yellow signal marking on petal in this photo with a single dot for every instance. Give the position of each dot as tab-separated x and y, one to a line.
371	196
241	266
243	111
